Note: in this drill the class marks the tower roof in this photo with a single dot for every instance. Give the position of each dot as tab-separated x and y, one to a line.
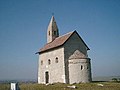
52	31
52	21
52	25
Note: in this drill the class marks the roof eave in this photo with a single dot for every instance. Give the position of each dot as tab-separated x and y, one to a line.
48	49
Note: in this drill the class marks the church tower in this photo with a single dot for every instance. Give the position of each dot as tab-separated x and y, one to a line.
52	31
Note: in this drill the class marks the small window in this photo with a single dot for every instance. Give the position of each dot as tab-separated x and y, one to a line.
54	32
41	62
81	67
49	62
56	60
49	33
87	67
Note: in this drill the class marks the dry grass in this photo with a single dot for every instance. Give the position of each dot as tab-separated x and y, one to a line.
58	86
4	86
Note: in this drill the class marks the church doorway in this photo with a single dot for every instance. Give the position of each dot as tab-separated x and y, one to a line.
47	77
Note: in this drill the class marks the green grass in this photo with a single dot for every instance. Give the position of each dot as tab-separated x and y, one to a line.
58	86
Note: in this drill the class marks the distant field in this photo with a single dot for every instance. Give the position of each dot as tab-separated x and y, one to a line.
58	86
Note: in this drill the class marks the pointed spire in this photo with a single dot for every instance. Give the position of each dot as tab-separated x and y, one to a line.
52	31
52	21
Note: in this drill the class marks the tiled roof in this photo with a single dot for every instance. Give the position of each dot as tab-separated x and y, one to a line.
57	42
77	55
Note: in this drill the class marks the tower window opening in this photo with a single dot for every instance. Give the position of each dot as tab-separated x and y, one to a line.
49	62
56	60
54	32
49	33
81	67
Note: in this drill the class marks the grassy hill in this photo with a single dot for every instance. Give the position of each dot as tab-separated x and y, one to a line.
59	86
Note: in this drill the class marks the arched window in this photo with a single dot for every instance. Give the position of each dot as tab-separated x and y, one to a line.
81	67
49	62
56	60
41	62
49	33
54	32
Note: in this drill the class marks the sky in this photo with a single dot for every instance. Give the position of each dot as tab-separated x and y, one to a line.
23	28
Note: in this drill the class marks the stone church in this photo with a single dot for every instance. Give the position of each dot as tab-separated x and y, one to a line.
63	58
